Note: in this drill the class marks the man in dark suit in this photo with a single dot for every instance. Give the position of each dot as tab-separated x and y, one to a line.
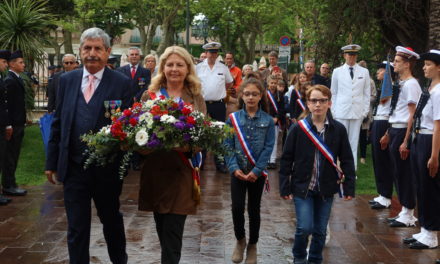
80	109
69	64
17	114
140	77
5	124
310	69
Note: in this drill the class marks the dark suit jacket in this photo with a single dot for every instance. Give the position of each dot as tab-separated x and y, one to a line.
136	87
113	86
16	106
52	91
4	112
318	79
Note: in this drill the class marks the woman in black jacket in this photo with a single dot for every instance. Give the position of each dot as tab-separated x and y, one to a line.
313	180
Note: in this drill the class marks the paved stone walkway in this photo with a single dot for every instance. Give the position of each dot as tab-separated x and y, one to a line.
33	229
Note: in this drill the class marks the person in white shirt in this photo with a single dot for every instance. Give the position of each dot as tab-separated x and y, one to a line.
216	79
397	137
351	93
425	157
381	157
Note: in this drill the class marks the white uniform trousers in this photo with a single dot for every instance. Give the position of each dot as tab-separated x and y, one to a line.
353	127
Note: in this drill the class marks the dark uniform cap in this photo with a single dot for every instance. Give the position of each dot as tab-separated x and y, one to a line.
432	55
383	64
51	67
5	54
15	55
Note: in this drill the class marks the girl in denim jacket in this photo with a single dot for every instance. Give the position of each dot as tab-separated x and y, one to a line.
256	130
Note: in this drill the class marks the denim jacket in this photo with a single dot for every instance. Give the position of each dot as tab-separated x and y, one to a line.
260	135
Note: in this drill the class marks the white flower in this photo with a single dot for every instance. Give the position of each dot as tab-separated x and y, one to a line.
145	117
217	124
148	104
105	130
168	119
141	137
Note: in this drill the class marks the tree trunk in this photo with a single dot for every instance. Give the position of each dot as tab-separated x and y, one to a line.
150	35
251	52
166	37
434	24
68	48
143	36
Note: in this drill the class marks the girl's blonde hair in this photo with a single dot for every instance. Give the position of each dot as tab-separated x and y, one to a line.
191	82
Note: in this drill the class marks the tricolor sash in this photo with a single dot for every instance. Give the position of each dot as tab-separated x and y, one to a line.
272	101
299	101
245	146
194	163
324	149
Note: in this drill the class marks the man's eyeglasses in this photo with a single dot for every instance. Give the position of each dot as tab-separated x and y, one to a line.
321	101
249	94
69	62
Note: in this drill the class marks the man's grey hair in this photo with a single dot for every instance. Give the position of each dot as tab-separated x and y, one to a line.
135	48
273	54
310	61
95	33
69	55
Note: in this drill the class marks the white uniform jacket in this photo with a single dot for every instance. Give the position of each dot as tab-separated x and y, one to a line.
350	98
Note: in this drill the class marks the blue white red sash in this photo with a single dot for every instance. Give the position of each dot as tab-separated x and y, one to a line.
299	101
272	101
324	149
245	146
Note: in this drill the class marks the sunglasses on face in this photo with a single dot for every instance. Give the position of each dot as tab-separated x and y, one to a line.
69	62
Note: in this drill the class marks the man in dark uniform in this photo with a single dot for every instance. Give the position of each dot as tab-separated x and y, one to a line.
314	78
139	76
81	106
17	115
5	126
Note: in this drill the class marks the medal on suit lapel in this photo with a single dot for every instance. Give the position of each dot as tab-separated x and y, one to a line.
106	105
141	82
113	106
118	105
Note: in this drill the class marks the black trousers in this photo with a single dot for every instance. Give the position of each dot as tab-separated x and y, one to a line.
2	147
217	111
381	160
238	196
12	153
401	170
80	187
169	228
428	188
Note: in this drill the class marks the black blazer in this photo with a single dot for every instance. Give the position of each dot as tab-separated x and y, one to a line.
16	105
137	88
52	91
4	115
299	155
113	86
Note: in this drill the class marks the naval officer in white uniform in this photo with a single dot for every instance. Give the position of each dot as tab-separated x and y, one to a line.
351	95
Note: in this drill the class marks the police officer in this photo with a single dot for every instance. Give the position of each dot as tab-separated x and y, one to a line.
403	106
425	158
17	116
351	93
381	157
216	80
5	125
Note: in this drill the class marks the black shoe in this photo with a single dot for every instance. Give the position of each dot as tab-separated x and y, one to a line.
372	202
396	223
419	245
409	240
14	191
378	206
437	261
4	200
392	219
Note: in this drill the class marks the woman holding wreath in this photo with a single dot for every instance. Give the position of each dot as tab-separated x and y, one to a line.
166	185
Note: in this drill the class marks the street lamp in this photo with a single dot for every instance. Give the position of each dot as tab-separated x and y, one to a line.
200	28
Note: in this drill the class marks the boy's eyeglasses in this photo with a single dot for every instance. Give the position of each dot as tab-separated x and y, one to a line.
249	94
321	101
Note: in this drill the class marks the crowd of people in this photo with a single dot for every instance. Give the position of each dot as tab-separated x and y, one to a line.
319	121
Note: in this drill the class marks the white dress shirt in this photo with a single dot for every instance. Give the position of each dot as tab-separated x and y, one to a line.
85	79
409	94
213	80
431	112
350	97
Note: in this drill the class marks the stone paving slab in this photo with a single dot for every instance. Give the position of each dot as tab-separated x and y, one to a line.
33	229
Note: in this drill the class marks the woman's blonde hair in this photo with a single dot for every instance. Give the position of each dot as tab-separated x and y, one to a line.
149	56
191	82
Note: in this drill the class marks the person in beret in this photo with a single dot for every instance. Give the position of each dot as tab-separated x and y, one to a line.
17	118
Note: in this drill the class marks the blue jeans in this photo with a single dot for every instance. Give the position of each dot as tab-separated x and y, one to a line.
312	214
